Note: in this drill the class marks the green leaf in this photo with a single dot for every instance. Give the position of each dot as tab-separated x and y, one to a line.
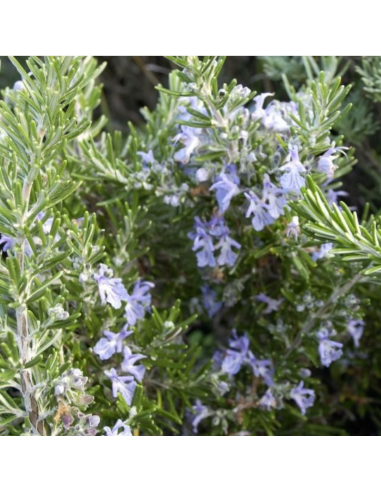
40	291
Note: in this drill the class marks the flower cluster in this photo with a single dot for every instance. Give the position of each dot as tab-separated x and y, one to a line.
268	197
111	343
267	209
210	302
111	290
250	184
303	397
275	117
213	236
239	354
329	350
226	186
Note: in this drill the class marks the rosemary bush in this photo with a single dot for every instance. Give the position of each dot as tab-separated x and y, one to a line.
198	274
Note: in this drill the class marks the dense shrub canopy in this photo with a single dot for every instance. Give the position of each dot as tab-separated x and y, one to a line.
211	267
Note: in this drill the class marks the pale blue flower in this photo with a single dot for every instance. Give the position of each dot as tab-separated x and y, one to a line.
239	343
274	197
125	385
261	368
269	208
205	255
268	401
9	243
47	225
233	362
272	304
322	252
325	163
203	244
192	102
225	244
201	412
328	349
111	290
147	157
128	364
303	397
291	179
259	111
216	226
275	122
237	355
355	328
209	300
111	344
332	196
226	186
217	359
138	302
259	210
189	138
117	427
273	119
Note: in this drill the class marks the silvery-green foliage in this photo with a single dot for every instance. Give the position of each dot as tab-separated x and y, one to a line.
370	72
